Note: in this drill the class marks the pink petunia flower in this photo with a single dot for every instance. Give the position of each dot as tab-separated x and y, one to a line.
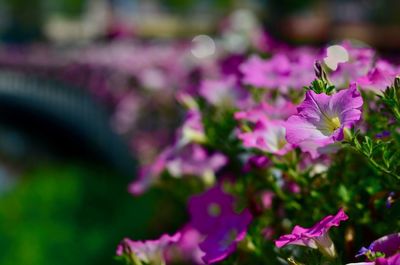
360	61
321	119
270	74
148	175
200	163
281	110
186	250
379	77
192	129
223	240
269	136
316	237
225	92
268	133
147	252
194	160
186	160
267	198
283	71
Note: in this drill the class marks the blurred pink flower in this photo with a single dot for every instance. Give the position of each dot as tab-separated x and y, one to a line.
268	136
149	251
281	110
150	174
186	160
267	198
268	132
223	92
187	248
192	129
360	61
268	233
292	187
379	77
282	71
194	160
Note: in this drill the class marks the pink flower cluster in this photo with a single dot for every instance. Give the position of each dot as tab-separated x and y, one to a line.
283	132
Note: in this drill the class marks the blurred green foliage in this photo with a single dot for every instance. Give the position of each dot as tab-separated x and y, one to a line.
185	6
77	214
69	8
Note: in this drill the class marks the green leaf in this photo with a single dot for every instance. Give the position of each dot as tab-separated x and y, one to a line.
367	146
344	193
357	144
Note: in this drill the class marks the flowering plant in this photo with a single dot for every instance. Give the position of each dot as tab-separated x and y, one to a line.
286	139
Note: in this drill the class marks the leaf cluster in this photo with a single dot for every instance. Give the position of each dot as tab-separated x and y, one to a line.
391	98
320	86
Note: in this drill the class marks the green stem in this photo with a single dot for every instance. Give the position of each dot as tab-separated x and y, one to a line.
396	113
381	168
376	165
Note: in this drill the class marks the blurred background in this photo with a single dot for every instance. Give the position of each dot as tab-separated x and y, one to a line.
87	95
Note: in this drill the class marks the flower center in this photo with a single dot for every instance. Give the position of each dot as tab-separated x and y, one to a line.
214	209
281	143
333	124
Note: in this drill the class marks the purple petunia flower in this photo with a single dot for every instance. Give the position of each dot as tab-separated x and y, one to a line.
230	65
388	245
316	237
382	134
390	199
207	209
223	240
393	260
149	251
256	162
321	119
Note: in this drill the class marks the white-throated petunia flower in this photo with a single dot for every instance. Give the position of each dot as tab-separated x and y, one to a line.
321	119
268	136
146	252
